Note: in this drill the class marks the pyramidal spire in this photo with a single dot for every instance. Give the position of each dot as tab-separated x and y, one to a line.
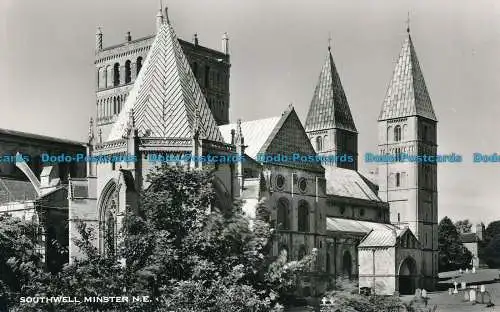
329	107
166	95
407	94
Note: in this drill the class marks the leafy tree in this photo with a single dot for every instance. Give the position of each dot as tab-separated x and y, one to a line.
452	254
463	226
19	262
492	230
491	253
181	253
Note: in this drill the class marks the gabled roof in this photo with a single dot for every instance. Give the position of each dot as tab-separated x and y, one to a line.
348	183
407	93
166	99
382	238
329	107
282	135
255	133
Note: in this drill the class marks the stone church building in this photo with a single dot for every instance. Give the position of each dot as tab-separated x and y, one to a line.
165	96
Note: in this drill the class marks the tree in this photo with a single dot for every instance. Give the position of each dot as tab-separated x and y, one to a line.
492	230
452	254
181	252
491	253
463	226
19	261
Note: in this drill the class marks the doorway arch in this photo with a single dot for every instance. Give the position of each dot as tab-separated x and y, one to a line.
407	276
347	263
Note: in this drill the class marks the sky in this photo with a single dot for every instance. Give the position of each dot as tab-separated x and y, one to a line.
47	74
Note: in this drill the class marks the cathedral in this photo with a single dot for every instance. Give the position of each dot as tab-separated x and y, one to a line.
161	95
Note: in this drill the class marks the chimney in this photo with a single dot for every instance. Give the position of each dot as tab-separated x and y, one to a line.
128	37
225	43
98	39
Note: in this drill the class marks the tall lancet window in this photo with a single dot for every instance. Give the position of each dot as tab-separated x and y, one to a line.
107	220
397	133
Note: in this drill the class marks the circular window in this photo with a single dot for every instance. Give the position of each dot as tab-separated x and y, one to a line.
280	181
302	184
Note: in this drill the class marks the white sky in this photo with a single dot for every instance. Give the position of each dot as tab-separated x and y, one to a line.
277	50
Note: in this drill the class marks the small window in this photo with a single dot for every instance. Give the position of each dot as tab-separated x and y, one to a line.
398	179
342	209
116	74
399	217
128	72
139	64
280	181
397	133
362	212
302	185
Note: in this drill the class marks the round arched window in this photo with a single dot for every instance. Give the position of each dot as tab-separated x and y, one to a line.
280	181
302	184
362	212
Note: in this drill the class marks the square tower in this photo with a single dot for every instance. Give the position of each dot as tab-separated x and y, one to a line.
408	181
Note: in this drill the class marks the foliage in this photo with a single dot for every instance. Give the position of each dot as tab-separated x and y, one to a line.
180	253
19	262
492	230
463	226
452	254
491	253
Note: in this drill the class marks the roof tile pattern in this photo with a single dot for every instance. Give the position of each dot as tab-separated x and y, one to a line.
349	183
329	107
16	190
166	98
407	93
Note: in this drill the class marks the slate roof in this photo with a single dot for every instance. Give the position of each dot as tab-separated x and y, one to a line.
356	226
469	238
15	190
255	133
166	98
329	107
382	238
407	93
348	183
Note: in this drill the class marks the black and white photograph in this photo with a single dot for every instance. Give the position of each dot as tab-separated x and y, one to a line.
249	155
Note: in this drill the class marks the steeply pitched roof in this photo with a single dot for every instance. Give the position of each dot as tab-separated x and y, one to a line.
348	183
166	97
282	135
255	133
407	93
329	107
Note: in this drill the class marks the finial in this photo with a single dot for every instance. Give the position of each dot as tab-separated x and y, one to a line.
99	30
91	129
195	39
290	106
131	120
166	14
100	135
408	23
329	41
